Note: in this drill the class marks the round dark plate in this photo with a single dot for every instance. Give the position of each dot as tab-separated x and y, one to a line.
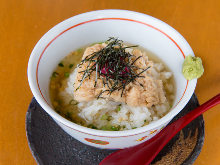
50	145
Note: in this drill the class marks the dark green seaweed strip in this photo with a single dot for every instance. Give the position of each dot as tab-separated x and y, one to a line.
113	65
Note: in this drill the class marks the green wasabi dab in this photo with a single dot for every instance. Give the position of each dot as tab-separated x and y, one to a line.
192	67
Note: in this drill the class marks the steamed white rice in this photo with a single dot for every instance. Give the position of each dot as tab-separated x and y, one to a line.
128	117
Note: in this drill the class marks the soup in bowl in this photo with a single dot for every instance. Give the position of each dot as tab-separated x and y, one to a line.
111	78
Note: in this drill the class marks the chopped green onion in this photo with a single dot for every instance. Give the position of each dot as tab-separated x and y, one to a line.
66	74
106	128
145	120
109	118
115	128
118	108
59	101
96	43
60	64
92	126
57	110
73	102
104	117
55	74
71	65
68	115
111	128
79	50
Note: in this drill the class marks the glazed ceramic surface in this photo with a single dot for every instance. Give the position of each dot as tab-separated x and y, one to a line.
43	133
132	27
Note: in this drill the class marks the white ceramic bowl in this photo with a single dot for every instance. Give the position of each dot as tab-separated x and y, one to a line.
132	27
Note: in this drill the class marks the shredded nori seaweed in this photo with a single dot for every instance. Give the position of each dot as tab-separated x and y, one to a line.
113	65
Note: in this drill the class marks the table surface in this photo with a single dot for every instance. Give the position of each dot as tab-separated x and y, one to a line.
23	23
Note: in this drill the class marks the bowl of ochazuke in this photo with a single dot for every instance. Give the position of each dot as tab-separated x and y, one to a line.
111	78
